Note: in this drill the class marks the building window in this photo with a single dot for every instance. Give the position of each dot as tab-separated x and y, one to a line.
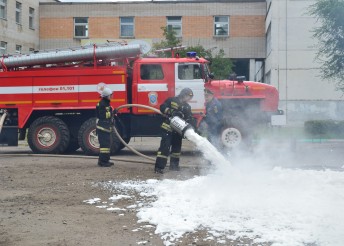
221	25
31	18
80	27
31	50
3	9
174	23
127	26
18	12
18	49
3	48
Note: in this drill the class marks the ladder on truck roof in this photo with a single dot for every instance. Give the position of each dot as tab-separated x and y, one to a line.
93	53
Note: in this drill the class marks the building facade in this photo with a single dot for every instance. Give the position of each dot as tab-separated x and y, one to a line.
291	66
19	26
235	26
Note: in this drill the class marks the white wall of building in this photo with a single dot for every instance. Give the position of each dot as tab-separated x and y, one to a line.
20	34
292	68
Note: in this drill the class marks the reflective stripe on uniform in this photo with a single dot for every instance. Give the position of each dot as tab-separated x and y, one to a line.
175	155
161	156
103	129
108	113
166	110
174	105
104	150
166	126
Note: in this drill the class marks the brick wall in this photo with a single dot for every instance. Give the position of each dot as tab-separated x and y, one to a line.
247	26
51	28
103	27
149	27
197	26
246	33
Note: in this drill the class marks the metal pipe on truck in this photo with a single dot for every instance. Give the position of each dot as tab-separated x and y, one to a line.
62	56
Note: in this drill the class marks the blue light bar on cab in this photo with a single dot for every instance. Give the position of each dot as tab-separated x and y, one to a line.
191	54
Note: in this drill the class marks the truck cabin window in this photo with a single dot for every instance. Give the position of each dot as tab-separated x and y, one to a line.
189	72
151	72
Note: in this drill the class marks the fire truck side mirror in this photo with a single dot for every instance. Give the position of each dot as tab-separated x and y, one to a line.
211	75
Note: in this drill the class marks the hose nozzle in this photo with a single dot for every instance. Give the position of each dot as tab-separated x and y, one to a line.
179	125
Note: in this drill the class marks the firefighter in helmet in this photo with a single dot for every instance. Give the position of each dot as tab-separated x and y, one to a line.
213	117
171	141
104	127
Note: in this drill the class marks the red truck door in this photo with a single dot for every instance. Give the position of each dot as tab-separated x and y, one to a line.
152	84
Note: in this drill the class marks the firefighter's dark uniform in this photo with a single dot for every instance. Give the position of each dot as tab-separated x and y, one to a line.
214	114
171	141
104	129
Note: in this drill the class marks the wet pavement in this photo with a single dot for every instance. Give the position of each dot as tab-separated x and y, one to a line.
297	153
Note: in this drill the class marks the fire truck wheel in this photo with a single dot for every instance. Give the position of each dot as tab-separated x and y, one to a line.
231	137
87	137
127	140
116	144
73	146
48	135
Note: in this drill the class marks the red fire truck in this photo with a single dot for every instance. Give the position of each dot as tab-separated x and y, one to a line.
50	97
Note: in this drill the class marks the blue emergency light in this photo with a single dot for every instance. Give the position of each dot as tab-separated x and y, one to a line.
191	54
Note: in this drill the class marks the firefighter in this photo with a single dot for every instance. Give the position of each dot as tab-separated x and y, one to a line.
213	117
104	127
171	141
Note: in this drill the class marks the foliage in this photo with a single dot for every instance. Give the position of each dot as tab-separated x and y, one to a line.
329	128
170	41
330	34
219	65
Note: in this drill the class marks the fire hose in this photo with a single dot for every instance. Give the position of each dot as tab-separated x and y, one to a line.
176	123
2	120
122	140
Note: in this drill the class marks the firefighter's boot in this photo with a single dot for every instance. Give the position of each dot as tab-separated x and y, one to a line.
174	164
158	170
105	164
160	163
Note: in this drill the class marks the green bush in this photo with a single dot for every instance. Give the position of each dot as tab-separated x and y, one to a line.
325	128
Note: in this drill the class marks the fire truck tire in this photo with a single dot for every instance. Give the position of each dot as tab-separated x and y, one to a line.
127	140
73	146
48	135
231	137
88	139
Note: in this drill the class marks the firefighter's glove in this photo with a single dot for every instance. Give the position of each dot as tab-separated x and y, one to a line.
178	113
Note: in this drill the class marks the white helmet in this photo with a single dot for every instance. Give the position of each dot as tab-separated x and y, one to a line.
106	92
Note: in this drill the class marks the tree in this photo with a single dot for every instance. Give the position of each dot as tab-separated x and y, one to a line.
170	41
220	66
330	34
